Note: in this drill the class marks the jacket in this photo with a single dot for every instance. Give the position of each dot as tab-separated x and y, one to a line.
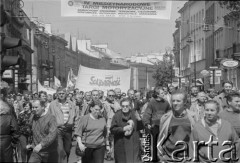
225	132
55	109
164	126
222	100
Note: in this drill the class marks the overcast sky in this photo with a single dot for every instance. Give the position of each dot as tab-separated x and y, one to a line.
123	35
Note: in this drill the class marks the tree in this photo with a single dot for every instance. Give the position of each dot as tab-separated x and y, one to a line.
164	70
233	7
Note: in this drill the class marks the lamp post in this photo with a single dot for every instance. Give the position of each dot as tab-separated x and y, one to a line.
170	55
190	41
176	50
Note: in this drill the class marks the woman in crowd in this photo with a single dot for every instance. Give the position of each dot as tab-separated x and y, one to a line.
91	134
217	129
125	127
8	132
24	130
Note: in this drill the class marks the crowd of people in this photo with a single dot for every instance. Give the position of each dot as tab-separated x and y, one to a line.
40	127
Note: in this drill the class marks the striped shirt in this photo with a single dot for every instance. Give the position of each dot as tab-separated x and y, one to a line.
65	108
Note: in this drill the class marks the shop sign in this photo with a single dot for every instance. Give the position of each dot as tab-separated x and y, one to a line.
8	74
218	73
230	63
205	73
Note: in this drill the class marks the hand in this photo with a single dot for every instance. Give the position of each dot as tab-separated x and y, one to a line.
126	128
82	147
108	148
29	147
149	127
37	148
137	116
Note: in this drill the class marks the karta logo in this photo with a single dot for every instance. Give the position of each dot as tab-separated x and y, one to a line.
223	155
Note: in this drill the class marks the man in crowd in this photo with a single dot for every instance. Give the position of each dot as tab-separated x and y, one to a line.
221	98
211	93
79	101
87	100
101	95
67	116
193	96
151	117
232	112
171	89
175	126
44	129
118	94
167	95
198	107
112	106
43	97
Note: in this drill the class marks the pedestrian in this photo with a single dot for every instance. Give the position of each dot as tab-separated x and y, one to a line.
112	106
118	93
44	129
156	108
24	130
91	134
232	112
87	100
214	129
8	132
211	93
221	98
67	116
198	107
125	128
175	125
193	96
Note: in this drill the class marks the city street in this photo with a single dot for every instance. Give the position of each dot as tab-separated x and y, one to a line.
145	78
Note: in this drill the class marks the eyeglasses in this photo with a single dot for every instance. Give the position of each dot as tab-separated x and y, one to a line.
125	106
111	95
61	93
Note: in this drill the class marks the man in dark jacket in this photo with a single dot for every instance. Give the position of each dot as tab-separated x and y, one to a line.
151	117
8	132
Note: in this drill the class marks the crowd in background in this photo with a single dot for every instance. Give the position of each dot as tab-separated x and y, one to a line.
41	127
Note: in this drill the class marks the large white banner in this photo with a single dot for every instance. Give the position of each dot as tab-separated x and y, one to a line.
153	9
89	79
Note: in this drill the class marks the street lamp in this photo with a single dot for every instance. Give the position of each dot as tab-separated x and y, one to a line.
176	50
189	41
169	54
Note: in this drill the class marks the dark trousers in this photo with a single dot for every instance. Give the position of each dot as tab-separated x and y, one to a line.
64	146
42	157
94	155
155	133
22	148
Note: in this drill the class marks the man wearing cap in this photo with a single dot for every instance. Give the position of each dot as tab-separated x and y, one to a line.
67	116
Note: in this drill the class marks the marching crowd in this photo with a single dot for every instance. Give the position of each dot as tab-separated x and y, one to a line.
40	127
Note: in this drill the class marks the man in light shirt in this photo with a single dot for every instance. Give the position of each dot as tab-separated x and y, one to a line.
67	116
